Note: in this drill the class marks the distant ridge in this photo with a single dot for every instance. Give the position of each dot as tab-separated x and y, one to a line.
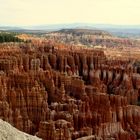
69	26
5	28
81	25
118	30
84	31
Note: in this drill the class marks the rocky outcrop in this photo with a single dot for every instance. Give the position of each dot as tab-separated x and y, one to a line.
61	94
7	132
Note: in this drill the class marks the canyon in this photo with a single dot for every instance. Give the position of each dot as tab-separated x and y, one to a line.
59	92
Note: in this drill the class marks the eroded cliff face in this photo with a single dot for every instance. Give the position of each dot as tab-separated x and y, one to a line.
60	94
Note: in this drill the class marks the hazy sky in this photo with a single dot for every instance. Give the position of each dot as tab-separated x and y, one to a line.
36	12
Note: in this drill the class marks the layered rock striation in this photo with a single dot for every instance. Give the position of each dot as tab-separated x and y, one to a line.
60	94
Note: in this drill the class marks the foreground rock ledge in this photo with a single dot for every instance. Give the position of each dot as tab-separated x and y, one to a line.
8	132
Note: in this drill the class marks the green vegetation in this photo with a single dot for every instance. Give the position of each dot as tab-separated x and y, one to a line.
9	37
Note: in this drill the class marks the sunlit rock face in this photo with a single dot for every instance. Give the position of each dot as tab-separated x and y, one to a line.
60	94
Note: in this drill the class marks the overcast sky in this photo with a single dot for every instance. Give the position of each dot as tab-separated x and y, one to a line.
38	12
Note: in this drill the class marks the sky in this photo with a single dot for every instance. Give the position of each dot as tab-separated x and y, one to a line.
41	12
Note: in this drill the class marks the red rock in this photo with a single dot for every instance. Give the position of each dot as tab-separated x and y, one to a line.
62	94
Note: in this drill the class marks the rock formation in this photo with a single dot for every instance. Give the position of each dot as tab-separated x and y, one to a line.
60	94
8	132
